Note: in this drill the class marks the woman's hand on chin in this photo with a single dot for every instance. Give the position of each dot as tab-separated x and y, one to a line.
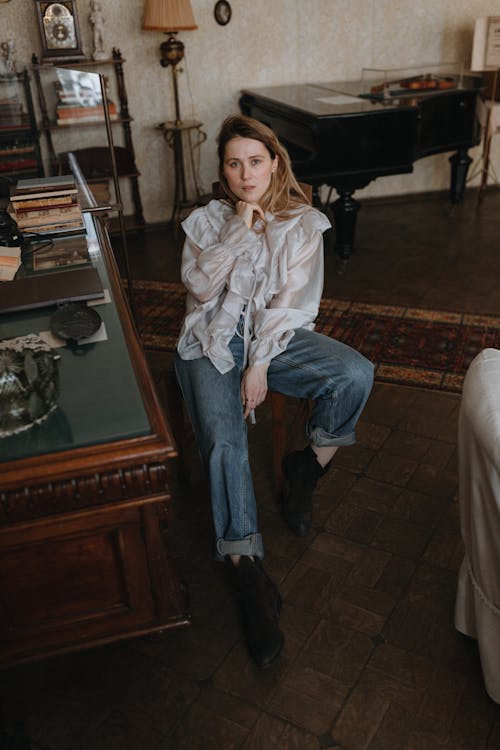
247	211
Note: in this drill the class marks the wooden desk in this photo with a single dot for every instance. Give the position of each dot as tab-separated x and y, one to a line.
85	498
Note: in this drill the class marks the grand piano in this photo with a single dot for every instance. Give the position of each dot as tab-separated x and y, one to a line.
343	135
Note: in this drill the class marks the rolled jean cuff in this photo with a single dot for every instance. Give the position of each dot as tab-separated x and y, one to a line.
319	437
250	545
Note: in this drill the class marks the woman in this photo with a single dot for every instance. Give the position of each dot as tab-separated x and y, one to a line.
253	267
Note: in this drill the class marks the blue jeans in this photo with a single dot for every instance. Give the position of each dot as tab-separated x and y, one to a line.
337	378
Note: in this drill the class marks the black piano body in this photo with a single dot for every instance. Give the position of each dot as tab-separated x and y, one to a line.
338	136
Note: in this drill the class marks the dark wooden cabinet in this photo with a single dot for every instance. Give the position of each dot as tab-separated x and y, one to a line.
82	579
85	505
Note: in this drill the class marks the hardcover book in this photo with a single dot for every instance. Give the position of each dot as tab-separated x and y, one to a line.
30	292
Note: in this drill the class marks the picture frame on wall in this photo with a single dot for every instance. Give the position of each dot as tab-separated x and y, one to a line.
222	12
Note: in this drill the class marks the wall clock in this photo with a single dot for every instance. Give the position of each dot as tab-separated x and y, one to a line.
59	30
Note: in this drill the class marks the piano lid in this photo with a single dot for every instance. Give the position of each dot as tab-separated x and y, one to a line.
318	99
337	98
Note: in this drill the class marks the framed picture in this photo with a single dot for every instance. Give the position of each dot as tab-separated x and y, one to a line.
222	12
59	30
492	56
486	44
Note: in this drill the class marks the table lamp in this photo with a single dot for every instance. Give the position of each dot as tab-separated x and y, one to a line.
170	16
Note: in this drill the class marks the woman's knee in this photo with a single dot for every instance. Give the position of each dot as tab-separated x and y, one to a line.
350	368
363	375
356	382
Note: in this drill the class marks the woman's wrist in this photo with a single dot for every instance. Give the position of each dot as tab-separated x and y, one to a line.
259	366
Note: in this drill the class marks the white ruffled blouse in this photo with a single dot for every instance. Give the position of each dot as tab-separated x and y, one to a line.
271	274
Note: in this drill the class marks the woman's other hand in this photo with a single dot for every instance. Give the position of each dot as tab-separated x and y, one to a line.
253	387
247	210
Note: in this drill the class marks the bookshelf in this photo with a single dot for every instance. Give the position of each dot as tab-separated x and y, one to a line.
20	154
94	159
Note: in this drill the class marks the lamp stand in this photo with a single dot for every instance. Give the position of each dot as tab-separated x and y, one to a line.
172	52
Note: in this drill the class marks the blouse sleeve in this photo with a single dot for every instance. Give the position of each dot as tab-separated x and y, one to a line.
297	305
210	253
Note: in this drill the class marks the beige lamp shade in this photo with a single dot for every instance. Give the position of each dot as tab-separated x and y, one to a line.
168	15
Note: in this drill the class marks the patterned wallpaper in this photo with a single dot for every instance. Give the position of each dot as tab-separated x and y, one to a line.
265	43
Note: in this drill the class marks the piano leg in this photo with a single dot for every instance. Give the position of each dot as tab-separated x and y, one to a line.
459	166
345	210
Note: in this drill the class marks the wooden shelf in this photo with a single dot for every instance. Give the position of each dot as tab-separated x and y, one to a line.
50	127
117	120
15	127
107	177
18	150
86	62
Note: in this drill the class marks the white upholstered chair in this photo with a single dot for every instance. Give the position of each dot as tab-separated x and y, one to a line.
477	607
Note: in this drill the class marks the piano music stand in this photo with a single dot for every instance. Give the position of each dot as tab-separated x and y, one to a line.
489	116
486	57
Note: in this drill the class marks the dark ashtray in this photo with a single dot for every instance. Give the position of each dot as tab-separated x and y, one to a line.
75	321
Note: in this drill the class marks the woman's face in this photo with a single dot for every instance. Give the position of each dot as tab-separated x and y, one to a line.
248	168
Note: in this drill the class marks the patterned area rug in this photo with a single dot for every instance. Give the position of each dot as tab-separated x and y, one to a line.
409	346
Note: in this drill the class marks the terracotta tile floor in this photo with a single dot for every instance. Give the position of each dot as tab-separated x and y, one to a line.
372	660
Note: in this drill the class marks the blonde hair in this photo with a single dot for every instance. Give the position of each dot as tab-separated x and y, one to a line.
284	193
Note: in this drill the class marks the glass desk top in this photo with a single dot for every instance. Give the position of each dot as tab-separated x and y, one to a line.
99	398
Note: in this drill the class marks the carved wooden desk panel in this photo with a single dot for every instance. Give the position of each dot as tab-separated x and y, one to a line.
83	520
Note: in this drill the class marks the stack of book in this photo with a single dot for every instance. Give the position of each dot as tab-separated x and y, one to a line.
74	107
17	156
69	114
46	205
11	113
10	260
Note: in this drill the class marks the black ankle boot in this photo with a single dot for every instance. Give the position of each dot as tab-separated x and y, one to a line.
260	605
301	471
